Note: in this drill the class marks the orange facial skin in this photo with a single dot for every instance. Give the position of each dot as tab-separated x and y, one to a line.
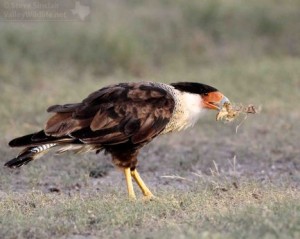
213	100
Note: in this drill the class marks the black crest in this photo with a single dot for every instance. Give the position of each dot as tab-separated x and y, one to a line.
192	87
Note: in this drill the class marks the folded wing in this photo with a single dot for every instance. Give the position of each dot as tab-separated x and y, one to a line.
135	112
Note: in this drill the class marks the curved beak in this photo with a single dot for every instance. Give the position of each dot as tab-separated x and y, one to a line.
222	102
214	100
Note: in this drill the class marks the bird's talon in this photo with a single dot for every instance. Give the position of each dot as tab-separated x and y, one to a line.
150	198
132	199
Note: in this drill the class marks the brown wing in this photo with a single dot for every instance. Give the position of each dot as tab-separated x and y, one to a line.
113	115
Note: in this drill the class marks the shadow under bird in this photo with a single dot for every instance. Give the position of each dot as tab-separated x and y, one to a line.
120	119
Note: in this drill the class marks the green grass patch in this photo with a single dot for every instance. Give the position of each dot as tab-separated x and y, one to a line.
212	182
251	211
135	37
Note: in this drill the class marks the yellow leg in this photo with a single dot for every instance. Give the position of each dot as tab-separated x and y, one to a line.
147	193
130	190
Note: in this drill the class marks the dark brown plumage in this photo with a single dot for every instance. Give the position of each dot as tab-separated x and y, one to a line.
119	119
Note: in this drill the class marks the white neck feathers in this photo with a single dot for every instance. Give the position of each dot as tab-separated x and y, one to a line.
193	108
188	108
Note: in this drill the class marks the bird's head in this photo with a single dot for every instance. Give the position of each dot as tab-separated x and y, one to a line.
211	98
214	100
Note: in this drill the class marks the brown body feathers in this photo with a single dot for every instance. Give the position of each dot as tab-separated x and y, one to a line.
119	118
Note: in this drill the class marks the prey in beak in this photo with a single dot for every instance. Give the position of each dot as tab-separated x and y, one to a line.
214	100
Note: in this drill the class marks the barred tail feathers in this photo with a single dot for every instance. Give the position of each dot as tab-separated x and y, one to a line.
38	138
29	154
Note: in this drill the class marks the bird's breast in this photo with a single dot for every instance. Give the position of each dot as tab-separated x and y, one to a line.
186	112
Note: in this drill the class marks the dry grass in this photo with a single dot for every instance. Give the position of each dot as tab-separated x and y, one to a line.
204	211
219	183
212	182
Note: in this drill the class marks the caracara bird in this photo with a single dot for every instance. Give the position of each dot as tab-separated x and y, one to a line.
120	119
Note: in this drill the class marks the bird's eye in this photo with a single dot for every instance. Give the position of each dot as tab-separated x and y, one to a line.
205	94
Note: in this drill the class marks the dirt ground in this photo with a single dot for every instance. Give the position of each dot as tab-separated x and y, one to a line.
216	180
256	168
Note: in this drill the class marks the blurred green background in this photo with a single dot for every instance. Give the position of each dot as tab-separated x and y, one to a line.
243	48
136	37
